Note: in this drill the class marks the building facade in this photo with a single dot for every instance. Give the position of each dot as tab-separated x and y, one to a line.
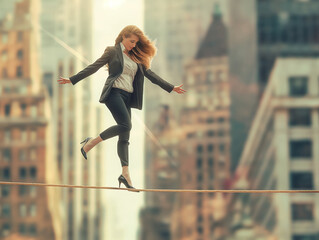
281	151
204	156
26	153
66	48
285	28
195	143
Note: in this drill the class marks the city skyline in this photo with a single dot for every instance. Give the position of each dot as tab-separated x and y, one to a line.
249	120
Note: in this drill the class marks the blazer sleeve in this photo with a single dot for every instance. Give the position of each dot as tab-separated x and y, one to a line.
154	78
92	68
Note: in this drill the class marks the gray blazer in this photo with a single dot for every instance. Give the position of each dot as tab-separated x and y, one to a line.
114	57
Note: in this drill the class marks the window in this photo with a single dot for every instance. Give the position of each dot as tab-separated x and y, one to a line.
299	117
199	218
7	110
23	109
6	173
301	180
22	155
33	111
6	210
5	191
209	77
7	154
221	133
199	177
22	173
4	55
210	120
210	148
210	133
33	230
302	211
222	148
33	210
199	149
210	162
300	148
22	229
20	54
33	191
190	135
22	210
6	228
33	172
23	133
22	190
19	71
221	120
298	86
304	237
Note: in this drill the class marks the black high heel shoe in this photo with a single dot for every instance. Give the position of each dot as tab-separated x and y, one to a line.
122	179
82	150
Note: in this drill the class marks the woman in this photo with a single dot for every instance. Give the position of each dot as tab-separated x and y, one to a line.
128	62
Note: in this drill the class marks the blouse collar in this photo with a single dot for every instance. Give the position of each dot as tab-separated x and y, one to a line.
122	46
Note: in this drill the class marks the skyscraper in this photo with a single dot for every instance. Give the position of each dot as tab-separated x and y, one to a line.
281	151
285	29
204	153
66	49
26	152
195	145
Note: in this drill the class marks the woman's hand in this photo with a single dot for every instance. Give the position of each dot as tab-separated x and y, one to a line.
179	89
64	80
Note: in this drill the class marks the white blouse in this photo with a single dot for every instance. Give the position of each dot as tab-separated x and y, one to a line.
125	80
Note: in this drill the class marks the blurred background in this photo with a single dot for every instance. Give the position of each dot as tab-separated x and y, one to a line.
249	120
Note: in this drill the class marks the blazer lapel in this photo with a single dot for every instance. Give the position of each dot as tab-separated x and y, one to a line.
141	68
120	54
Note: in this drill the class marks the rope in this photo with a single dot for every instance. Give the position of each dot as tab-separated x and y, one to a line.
159	190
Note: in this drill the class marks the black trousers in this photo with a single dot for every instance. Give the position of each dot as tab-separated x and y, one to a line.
118	103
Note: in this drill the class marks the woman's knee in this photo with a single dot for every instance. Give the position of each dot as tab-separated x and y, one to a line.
127	126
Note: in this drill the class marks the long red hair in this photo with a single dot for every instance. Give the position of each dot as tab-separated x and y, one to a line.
144	50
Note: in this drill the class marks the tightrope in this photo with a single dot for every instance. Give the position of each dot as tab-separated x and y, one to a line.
158	190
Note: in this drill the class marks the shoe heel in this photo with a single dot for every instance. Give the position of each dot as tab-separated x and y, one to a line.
85	140
120	184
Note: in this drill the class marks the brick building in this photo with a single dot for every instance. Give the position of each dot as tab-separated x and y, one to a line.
26	143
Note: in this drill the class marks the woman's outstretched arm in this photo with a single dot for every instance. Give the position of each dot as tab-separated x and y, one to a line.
89	70
154	78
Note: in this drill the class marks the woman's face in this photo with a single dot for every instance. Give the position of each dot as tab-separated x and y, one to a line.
130	42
